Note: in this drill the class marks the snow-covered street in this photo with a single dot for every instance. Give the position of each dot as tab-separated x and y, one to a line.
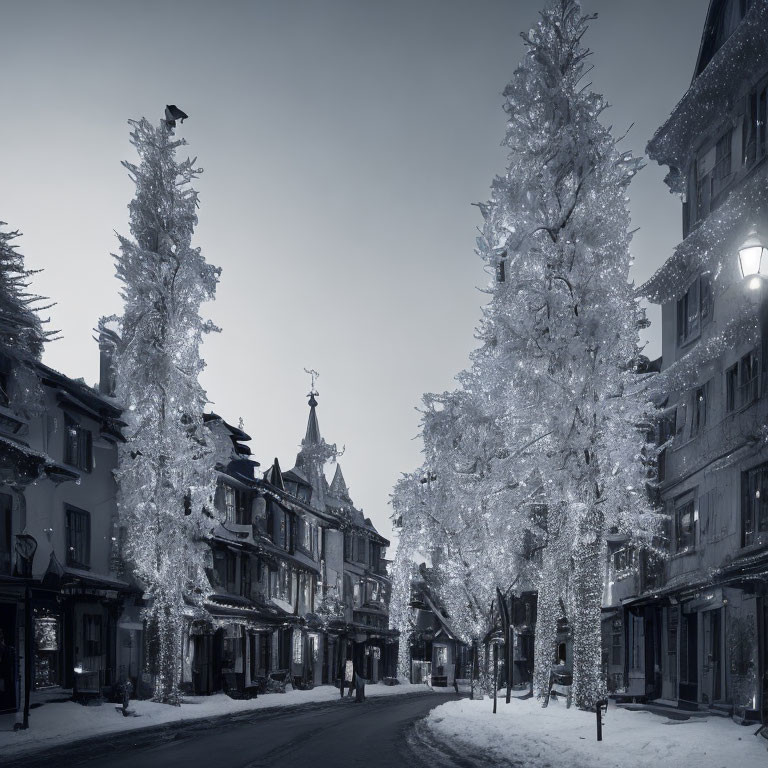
523	734
326	732
59	721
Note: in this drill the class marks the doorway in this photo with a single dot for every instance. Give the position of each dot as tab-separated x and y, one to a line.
7	657
689	661
711	668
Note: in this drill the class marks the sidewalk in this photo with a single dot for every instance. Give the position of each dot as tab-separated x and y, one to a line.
522	733
56	720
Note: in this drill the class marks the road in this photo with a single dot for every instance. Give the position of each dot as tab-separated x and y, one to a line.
378	733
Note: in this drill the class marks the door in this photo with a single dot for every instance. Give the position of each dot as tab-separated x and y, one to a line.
711	666
689	658
201	671
652	637
91	653
671	619
636	648
7	657
265	642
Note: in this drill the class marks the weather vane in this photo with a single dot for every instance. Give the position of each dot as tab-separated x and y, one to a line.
315	375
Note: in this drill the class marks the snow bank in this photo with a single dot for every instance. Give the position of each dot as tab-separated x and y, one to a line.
524	732
61	722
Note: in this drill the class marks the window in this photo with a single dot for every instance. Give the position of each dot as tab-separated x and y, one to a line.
361	556
4	389
78	538
617	633
713	169
298	647
283	583
685	526
306	588
375	556
699	409
748	379
6	548
742	382
731	388
77	445
694	309
753	127
623	562
754	504
237	506
229	503
281	527
721	172
245	575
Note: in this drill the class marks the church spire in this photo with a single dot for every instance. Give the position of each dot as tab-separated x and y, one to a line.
313	428
315	452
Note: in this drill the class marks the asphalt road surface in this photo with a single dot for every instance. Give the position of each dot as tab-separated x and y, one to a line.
378	733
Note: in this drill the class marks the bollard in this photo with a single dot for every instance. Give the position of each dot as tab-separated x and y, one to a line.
600	707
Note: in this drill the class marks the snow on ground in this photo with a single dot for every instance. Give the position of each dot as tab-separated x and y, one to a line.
522	733
59	721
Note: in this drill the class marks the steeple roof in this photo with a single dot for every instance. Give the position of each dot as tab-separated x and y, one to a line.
338	485
313	428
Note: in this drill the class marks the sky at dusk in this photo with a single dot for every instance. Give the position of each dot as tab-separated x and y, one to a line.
343	145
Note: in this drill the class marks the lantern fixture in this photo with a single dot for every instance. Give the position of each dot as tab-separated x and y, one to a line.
753	260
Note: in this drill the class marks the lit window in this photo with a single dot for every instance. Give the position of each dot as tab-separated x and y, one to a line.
685	526
298	648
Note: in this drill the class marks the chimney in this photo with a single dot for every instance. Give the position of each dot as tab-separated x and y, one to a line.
108	340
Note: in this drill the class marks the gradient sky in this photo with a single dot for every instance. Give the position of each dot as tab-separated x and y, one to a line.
343	144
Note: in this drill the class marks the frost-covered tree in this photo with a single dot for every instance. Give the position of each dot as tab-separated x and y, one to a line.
463	511
166	477
22	335
563	321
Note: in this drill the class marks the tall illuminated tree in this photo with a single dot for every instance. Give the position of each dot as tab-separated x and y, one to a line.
562	323
166	476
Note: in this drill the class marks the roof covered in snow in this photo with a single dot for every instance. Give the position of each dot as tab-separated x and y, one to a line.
709	100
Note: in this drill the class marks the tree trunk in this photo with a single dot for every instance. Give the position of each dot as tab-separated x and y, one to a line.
588	681
547	614
164	628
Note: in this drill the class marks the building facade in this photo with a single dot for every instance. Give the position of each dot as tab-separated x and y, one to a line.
61	590
692	629
299	582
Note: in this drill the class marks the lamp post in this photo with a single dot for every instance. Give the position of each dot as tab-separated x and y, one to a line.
753	265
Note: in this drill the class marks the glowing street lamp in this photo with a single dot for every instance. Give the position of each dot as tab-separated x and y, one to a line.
753	261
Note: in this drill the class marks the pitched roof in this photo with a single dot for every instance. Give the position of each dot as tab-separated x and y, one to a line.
274	476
